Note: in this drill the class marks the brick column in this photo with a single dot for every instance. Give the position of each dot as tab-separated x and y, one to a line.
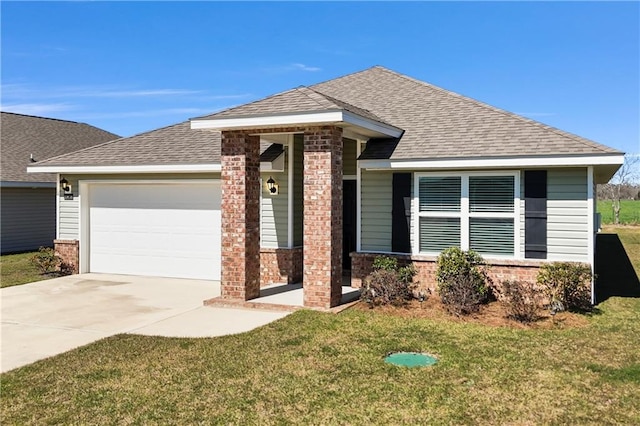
69	252
322	277
240	216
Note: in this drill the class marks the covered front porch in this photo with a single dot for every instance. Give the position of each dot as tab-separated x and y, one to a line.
313	141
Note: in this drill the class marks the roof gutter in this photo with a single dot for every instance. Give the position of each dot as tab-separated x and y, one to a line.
496	162
156	168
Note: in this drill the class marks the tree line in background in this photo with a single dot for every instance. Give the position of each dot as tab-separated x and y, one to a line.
624	185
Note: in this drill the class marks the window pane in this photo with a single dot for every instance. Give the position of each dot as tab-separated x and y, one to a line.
440	194
439	233
491	236
491	193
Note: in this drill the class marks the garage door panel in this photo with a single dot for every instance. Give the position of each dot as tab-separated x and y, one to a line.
158	230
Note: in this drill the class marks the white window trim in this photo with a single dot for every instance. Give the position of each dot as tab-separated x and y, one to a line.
464	214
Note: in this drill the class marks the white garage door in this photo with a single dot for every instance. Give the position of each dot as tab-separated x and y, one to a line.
164	229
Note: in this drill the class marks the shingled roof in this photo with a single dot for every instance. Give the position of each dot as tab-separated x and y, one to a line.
24	136
298	100
437	124
176	144
442	124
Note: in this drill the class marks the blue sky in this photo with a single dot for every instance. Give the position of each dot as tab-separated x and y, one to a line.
131	67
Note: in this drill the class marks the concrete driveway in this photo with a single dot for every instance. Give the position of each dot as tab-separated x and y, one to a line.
46	318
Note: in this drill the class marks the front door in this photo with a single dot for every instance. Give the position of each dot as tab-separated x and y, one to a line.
348	222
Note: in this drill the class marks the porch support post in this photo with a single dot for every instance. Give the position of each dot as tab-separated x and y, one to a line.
240	216
322	276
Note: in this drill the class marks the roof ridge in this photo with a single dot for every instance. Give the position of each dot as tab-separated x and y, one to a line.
106	143
201	117
539	124
346	75
308	89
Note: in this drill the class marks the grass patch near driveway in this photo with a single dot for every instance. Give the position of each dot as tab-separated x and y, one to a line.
16	269
319	368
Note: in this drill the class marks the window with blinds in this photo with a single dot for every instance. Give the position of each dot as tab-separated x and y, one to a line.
470	211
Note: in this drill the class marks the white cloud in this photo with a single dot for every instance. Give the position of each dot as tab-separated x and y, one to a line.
303	67
36	108
24	91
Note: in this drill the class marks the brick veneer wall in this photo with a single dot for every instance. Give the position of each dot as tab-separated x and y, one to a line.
498	270
280	266
240	213
322	274
69	252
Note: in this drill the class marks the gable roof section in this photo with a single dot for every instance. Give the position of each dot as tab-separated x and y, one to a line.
24	135
298	100
442	124
176	145
171	145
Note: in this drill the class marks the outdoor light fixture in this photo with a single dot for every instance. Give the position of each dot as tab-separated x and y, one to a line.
272	186
65	185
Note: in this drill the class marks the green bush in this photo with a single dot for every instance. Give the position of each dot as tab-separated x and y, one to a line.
522	300
46	260
462	282
567	284
388	283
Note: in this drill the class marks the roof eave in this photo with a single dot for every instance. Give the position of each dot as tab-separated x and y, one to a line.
341	118
605	164
153	168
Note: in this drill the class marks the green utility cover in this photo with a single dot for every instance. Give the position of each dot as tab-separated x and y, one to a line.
410	359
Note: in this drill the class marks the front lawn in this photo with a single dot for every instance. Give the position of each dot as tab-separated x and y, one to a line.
319	368
16	269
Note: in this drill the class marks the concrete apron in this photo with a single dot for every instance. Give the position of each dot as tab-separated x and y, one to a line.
49	317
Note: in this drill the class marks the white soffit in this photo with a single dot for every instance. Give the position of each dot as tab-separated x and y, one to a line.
339	117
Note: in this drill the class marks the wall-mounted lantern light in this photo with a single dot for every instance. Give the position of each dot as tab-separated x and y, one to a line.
272	186
66	188
64	184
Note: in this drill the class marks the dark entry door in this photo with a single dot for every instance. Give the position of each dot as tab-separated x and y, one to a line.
348	222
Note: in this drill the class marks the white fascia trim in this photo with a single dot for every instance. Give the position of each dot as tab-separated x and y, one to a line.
301	119
368	124
268	121
12	184
591	212
169	168
484	163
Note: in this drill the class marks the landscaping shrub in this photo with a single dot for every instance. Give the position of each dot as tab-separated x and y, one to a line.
522	300
462	282
46	260
567	284
388	283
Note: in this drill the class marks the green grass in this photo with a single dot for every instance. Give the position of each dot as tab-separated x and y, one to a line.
630	237
16	269
629	211
318	368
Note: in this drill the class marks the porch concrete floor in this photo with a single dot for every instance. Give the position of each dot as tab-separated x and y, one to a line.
292	294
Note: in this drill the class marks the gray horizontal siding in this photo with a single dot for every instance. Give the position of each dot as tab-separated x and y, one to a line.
567	214
376	221
28	218
274	210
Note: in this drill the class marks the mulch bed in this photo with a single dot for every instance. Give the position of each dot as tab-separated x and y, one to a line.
493	314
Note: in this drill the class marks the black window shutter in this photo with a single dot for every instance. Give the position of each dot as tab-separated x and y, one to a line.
535	214
400	241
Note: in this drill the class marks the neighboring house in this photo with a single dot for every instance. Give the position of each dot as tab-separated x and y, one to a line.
373	162
28	201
